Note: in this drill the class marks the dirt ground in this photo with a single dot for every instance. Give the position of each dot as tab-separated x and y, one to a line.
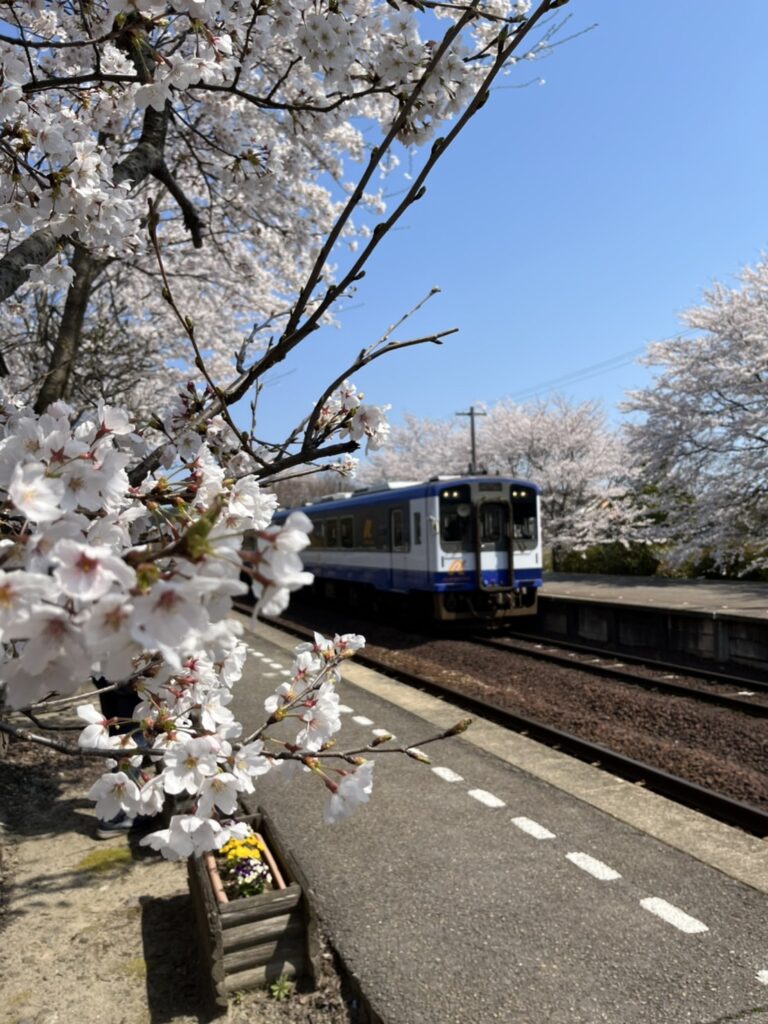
101	931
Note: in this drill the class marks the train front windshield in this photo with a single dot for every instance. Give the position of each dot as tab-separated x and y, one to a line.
458	524
496	517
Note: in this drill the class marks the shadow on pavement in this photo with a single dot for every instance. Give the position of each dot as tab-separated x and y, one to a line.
174	985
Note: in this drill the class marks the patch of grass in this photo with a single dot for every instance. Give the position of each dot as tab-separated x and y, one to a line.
19	999
115	859
135	967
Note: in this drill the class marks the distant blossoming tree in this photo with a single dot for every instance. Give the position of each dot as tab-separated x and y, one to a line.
566	448
180	217
699	438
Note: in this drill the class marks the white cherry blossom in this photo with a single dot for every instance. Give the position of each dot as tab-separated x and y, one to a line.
96	733
354	789
114	792
36	495
88	572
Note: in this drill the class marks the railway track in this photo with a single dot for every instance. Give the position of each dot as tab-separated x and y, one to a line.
674	668
528	649
708	801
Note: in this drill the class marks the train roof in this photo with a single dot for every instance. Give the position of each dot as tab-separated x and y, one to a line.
407	489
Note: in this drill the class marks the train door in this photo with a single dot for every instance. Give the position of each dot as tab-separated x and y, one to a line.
399	547
494	544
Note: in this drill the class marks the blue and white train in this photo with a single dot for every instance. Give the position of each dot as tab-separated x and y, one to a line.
450	548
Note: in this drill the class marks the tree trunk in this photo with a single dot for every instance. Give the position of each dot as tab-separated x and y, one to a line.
56	383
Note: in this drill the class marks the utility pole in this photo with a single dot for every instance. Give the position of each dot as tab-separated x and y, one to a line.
472	413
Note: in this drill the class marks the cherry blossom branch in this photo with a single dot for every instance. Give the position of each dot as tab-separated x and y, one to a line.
366	356
50	44
114	753
377	746
295	332
189	329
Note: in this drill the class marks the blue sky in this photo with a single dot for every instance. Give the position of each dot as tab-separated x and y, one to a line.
572	222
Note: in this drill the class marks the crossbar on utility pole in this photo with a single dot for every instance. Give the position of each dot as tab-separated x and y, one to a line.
472	413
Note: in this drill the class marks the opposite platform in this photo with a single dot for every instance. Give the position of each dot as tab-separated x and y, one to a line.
731	597
717	624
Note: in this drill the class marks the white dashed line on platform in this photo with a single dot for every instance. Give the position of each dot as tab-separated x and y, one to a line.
361	720
383	732
673	915
286	672
533	828
593	867
448	775
343	709
486	798
762	977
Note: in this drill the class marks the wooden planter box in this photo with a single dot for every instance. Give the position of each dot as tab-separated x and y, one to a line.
250	941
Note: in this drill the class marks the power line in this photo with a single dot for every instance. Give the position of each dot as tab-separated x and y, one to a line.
585	373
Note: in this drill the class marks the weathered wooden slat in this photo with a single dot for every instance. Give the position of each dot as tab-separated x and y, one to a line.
290	947
253	932
209	930
256	977
254	908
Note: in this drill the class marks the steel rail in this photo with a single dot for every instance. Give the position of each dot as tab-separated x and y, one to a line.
638	659
716	805
725	700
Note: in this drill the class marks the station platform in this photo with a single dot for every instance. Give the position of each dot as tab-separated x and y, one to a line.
718	624
509	883
731	597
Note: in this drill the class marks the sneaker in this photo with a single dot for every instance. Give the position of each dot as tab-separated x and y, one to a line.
120	825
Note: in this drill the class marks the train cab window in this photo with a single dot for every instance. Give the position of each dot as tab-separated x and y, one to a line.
456	519
346	532
317	537
417	527
397	531
331	533
524	529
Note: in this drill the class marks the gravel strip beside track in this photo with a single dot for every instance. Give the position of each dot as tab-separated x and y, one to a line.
711	746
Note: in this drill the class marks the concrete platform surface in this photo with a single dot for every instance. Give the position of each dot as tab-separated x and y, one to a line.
732	597
509	883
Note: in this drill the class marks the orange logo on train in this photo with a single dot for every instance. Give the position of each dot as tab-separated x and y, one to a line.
456	567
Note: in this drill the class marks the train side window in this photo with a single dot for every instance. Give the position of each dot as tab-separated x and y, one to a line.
317	537
332	533
397	534
417	527
346	532
367	533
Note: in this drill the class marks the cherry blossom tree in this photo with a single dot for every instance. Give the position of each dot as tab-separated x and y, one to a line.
419	449
566	448
179	203
699	439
